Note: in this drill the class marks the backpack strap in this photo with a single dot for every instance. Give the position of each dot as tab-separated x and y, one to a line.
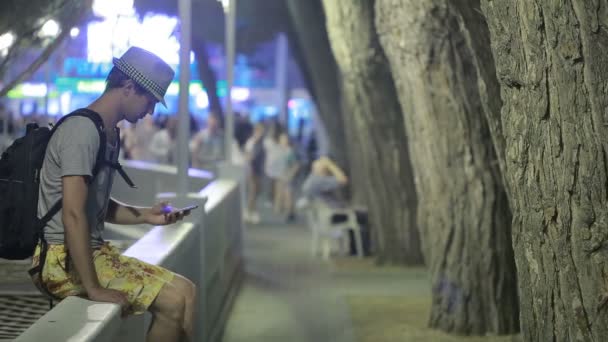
121	172
101	154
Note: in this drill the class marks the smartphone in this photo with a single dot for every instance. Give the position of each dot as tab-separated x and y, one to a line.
188	208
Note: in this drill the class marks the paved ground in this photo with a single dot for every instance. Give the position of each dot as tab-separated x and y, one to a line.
288	296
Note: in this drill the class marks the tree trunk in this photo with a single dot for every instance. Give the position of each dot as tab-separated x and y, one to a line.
477	35
551	59
378	125
463	214
311	49
207	76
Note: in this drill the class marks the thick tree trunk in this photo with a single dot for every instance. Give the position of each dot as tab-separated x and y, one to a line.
477	35
312	51
463	214
551	60
207	76
378	124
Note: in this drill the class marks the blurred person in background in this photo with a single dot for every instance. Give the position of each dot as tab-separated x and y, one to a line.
272	164
243	129
207	146
162	145
143	133
288	165
255	155
325	178
127	140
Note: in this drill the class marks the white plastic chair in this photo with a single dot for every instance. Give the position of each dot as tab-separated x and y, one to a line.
324	232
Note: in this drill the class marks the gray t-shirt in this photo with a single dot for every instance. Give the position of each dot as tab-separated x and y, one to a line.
72	151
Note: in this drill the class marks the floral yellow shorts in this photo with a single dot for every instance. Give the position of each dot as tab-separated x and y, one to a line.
140	281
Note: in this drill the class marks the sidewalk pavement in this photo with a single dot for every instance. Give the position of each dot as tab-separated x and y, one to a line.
289	296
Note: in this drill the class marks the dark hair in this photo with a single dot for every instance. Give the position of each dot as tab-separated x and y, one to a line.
117	79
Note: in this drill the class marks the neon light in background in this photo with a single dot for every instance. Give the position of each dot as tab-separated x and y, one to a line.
50	29
6	41
195	88
64	101
28	89
109	38
121	28
113	8
270	110
94	87
202	100
99	47
33	89
240	94
155	34
97	86
53	107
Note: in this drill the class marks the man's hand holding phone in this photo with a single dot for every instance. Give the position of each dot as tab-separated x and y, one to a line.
163	213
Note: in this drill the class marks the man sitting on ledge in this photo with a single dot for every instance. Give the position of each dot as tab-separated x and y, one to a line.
78	261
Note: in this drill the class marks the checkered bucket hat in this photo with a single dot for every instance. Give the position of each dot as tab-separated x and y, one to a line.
147	70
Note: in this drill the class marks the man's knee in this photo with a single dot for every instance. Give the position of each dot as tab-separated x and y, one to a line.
186	287
170	303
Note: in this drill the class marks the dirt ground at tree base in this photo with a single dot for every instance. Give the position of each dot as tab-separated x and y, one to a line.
399	314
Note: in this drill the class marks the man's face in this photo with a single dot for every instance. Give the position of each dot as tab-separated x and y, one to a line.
140	105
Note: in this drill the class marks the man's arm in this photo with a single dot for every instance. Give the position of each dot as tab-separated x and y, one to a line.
335	170
120	213
77	237
77	229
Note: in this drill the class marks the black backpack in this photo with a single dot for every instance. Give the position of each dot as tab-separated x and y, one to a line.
20	228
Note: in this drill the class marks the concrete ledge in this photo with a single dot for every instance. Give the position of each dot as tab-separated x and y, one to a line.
159	244
76	319
216	192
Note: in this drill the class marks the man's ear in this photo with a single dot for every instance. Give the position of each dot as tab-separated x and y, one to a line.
128	87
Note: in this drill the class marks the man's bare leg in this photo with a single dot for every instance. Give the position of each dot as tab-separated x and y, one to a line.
173	311
188	289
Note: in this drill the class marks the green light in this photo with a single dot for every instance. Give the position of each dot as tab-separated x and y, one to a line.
97	86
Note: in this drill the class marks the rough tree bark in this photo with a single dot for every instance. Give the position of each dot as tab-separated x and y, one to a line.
551	60
312	51
378	123
463	213
477	35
